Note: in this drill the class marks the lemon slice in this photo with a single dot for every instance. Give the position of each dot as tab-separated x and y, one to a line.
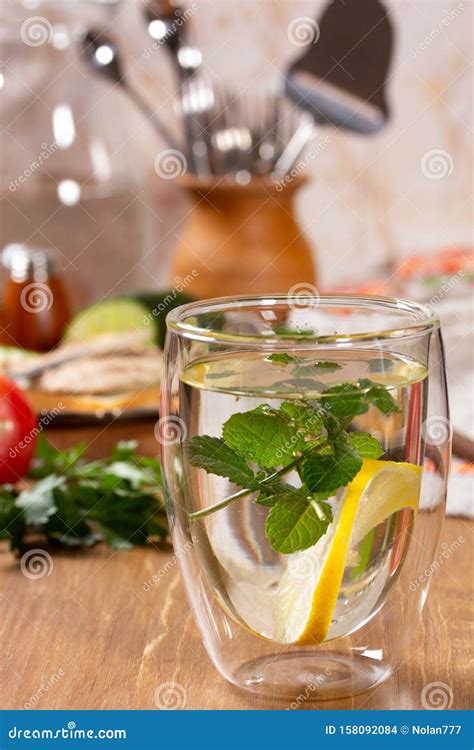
308	591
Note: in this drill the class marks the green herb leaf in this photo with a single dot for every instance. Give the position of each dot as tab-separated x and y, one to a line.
271	493
129	471
48	460
219	375
380	397
305	367
281	357
365	445
345	400
124	450
294	524
283	330
265	439
380	365
328	472
309	436
213	455
12	521
316	368
38	502
77	502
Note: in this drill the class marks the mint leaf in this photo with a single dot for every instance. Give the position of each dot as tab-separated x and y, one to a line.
294	410
380	365
281	329
380	397
303	416
305	365
307	435
315	368
345	400
218	375
270	494
298	384
294	524
281	357
265	439
213	455
328	472
365	445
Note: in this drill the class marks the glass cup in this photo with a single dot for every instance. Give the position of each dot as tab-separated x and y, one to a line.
305	446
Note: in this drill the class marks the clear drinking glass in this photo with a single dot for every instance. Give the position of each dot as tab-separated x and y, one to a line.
314	590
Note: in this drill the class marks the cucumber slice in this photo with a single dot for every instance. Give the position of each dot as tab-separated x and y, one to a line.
117	315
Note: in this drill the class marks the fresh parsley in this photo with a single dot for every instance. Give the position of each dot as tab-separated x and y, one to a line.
76	503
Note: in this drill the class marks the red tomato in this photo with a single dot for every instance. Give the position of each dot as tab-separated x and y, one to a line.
18	432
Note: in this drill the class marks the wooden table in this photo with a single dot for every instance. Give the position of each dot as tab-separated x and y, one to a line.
88	636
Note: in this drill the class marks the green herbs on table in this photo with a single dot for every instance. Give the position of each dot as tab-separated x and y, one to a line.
259	448
76	503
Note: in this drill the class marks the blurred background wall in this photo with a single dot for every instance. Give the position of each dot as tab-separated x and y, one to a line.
370	198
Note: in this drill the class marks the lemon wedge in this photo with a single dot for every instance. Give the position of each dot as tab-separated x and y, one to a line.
309	589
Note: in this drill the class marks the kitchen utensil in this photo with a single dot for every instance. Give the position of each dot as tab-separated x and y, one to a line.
165	24
341	77
295	146
103	56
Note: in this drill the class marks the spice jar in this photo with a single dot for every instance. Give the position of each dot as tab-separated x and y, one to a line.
35	307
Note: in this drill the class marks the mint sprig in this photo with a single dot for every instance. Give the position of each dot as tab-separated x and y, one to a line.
258	448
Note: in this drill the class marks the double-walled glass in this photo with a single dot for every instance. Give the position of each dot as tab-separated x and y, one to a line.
326	617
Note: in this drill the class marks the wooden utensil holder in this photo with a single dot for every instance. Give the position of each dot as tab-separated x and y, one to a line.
243	239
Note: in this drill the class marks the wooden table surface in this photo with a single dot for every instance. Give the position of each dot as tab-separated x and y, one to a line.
89	636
